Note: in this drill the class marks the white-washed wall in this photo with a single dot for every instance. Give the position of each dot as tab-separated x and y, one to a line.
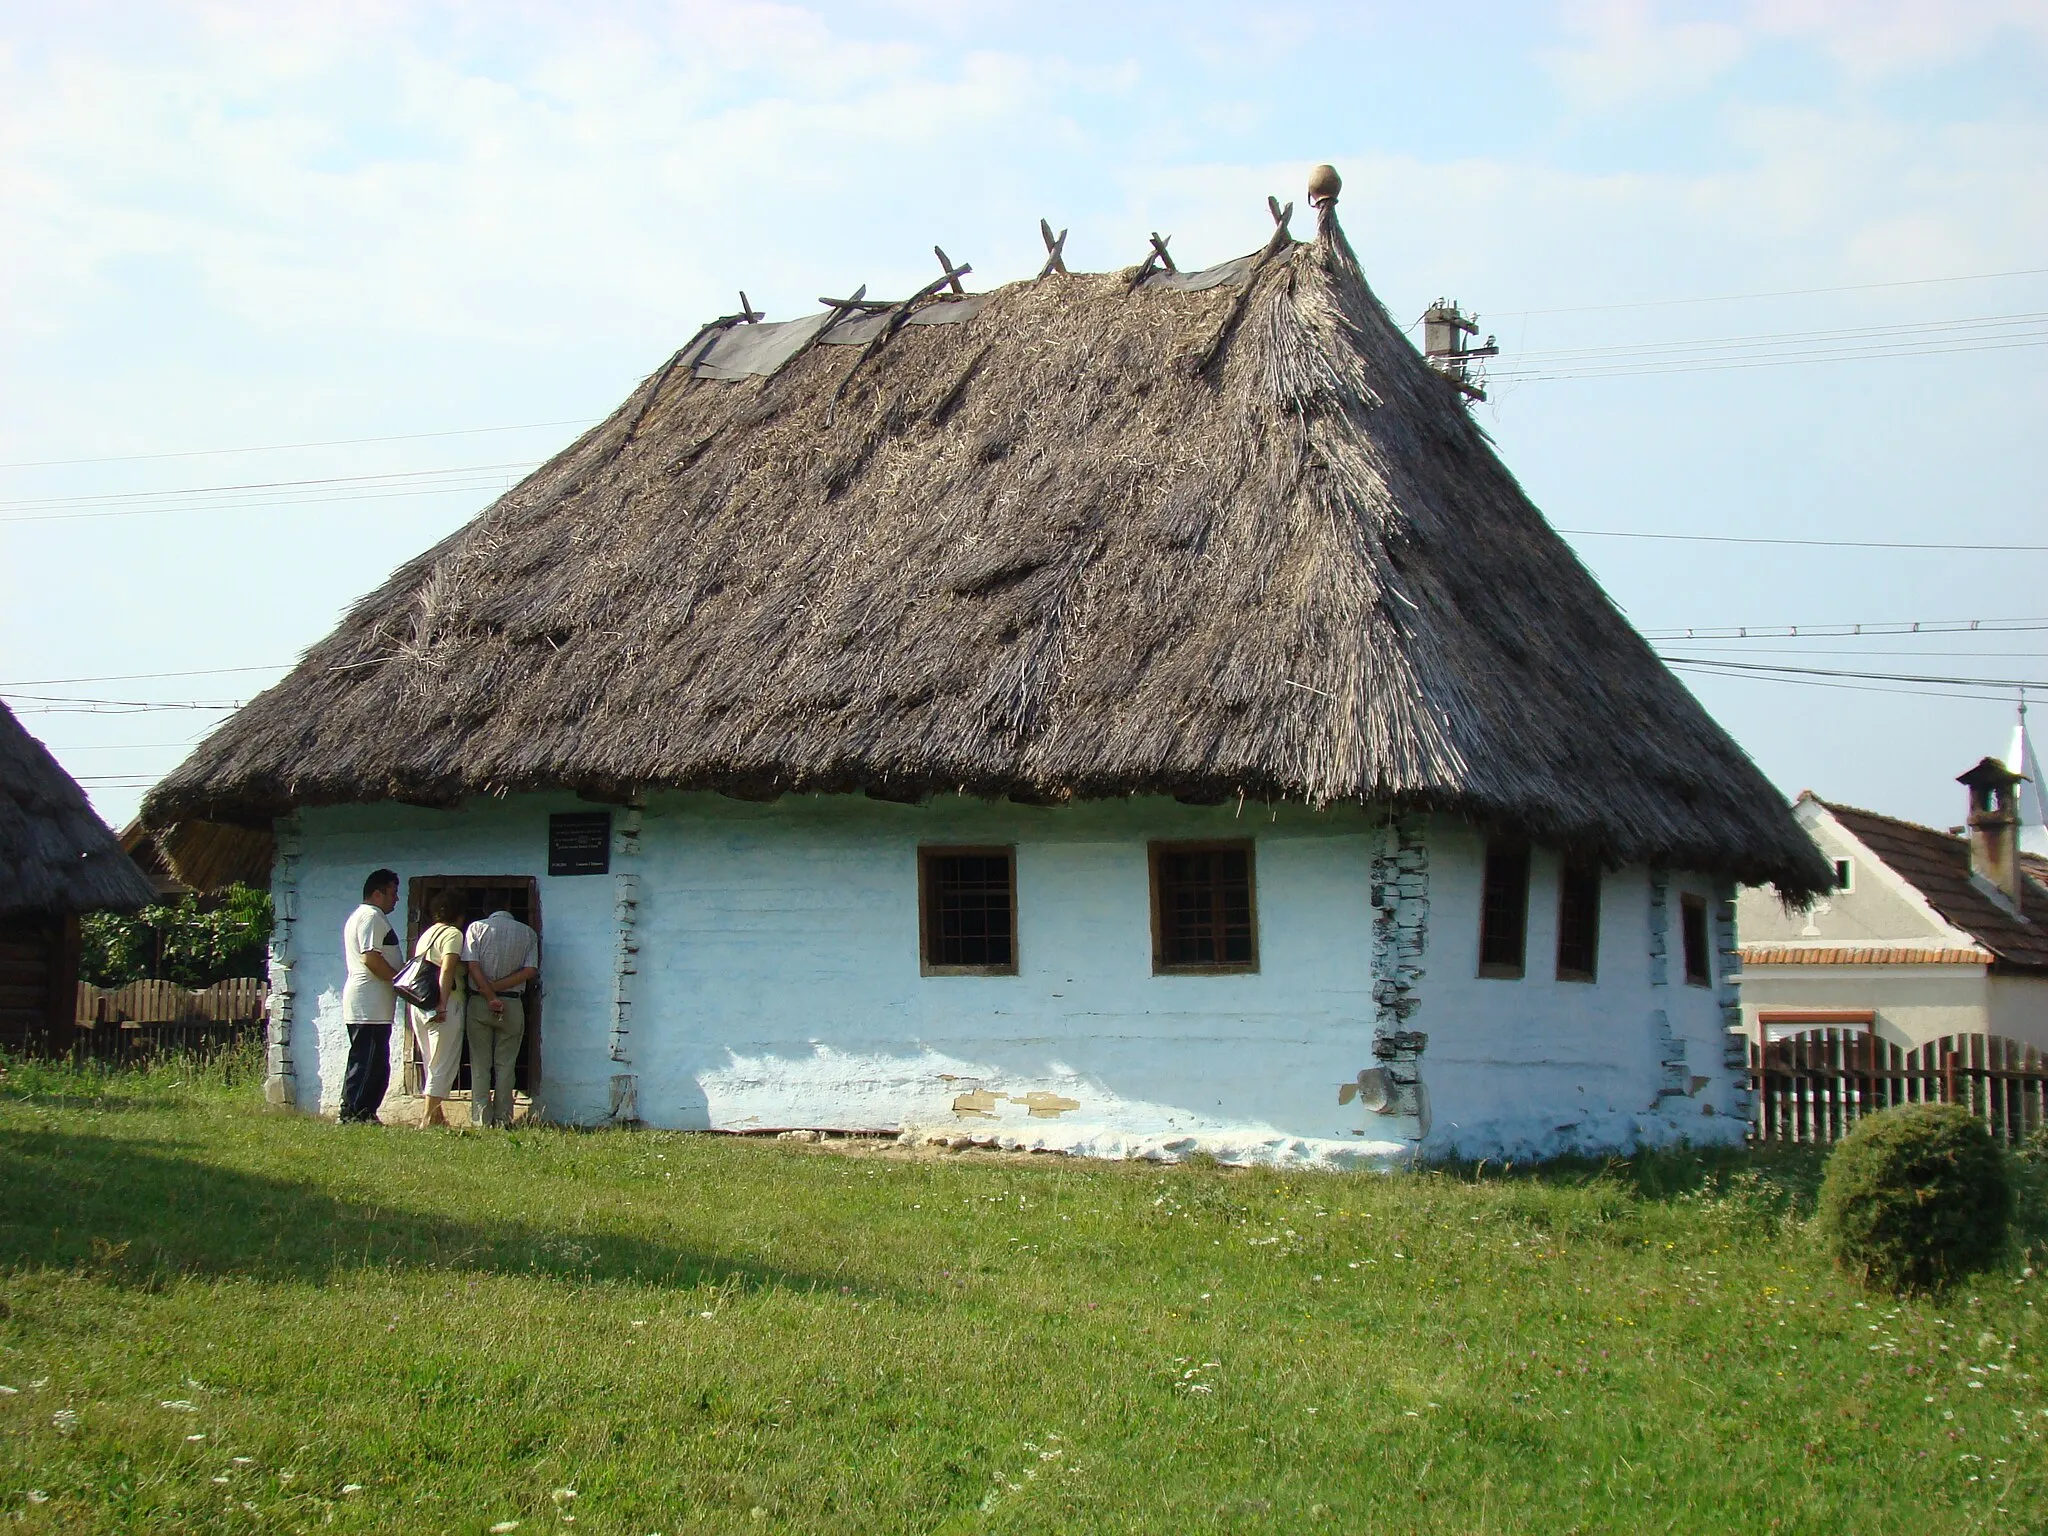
777	983
1536	1066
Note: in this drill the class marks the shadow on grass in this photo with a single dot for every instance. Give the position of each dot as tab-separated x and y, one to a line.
138	1212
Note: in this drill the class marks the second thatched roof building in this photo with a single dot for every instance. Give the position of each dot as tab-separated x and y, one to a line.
1123	712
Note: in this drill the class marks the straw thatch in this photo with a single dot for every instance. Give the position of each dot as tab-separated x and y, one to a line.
56	857
1101	539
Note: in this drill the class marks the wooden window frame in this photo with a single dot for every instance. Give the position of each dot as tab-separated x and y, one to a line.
1496	970
1688	904
1588	869
925	892
1161	966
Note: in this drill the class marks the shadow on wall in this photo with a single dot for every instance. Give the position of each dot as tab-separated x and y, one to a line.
136	1212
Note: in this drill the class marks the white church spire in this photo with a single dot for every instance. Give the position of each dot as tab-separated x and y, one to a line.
2032	799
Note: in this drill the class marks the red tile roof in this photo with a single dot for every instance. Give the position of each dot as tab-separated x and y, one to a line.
1937	864
1834	953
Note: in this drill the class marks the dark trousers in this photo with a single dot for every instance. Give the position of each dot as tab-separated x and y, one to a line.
369	1071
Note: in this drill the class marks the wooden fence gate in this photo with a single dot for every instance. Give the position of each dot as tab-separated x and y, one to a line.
1815	1086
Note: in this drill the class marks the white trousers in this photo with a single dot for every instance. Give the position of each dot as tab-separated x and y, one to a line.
441	1047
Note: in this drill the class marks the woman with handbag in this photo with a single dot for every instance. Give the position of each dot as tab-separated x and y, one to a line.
439	1029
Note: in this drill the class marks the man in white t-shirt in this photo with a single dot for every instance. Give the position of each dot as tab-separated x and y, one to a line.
503	956
370	949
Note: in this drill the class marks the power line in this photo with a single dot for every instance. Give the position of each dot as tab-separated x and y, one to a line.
106	707
1777	293
1846	627
1544	376
1881	677
1935	655
1729	538
137	677
40	503
260	504
1871	333
1814	682
335	442
122	746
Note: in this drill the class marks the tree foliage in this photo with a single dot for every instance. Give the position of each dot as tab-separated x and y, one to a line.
190	942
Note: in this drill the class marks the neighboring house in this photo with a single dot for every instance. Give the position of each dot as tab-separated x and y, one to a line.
1927	933
1127	713
57	859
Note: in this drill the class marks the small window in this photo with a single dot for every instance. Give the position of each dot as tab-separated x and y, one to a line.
1202	908
1845	875
1504	911
969	897
1578	922
1692	922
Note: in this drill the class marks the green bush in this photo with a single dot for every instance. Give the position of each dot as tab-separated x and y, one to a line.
1916	1197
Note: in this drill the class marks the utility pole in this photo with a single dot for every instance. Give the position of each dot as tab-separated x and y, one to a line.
1444	331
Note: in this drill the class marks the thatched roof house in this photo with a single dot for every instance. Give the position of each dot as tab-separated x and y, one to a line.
1240	540
56	856
1222	536
57	860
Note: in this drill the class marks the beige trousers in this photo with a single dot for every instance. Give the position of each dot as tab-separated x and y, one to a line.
440	1047
493	1052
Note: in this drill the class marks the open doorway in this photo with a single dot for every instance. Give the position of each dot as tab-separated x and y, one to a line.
481	895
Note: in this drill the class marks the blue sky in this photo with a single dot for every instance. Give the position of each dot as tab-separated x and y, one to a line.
242	226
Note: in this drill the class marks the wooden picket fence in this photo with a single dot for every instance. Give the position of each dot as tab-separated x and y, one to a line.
1815	1086
148	1017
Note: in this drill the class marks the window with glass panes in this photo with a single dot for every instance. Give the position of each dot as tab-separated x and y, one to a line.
1203	916
969	896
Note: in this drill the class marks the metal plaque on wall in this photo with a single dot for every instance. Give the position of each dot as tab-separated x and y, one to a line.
580	843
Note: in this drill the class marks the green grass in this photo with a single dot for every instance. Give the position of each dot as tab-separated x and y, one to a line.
223	1318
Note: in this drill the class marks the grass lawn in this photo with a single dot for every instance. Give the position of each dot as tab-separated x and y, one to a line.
218	1317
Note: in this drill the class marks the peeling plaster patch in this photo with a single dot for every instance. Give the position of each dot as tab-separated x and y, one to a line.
1047	1106
915	1095
330	1050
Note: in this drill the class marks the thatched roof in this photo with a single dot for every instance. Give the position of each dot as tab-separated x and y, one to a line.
56	856
1083	536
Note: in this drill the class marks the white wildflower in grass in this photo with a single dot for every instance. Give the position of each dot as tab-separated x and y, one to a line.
37	1496
563	1495
243	1461
66	1420
504	1526
200	1436
351	1487
707	1315
179	1405
221	1479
